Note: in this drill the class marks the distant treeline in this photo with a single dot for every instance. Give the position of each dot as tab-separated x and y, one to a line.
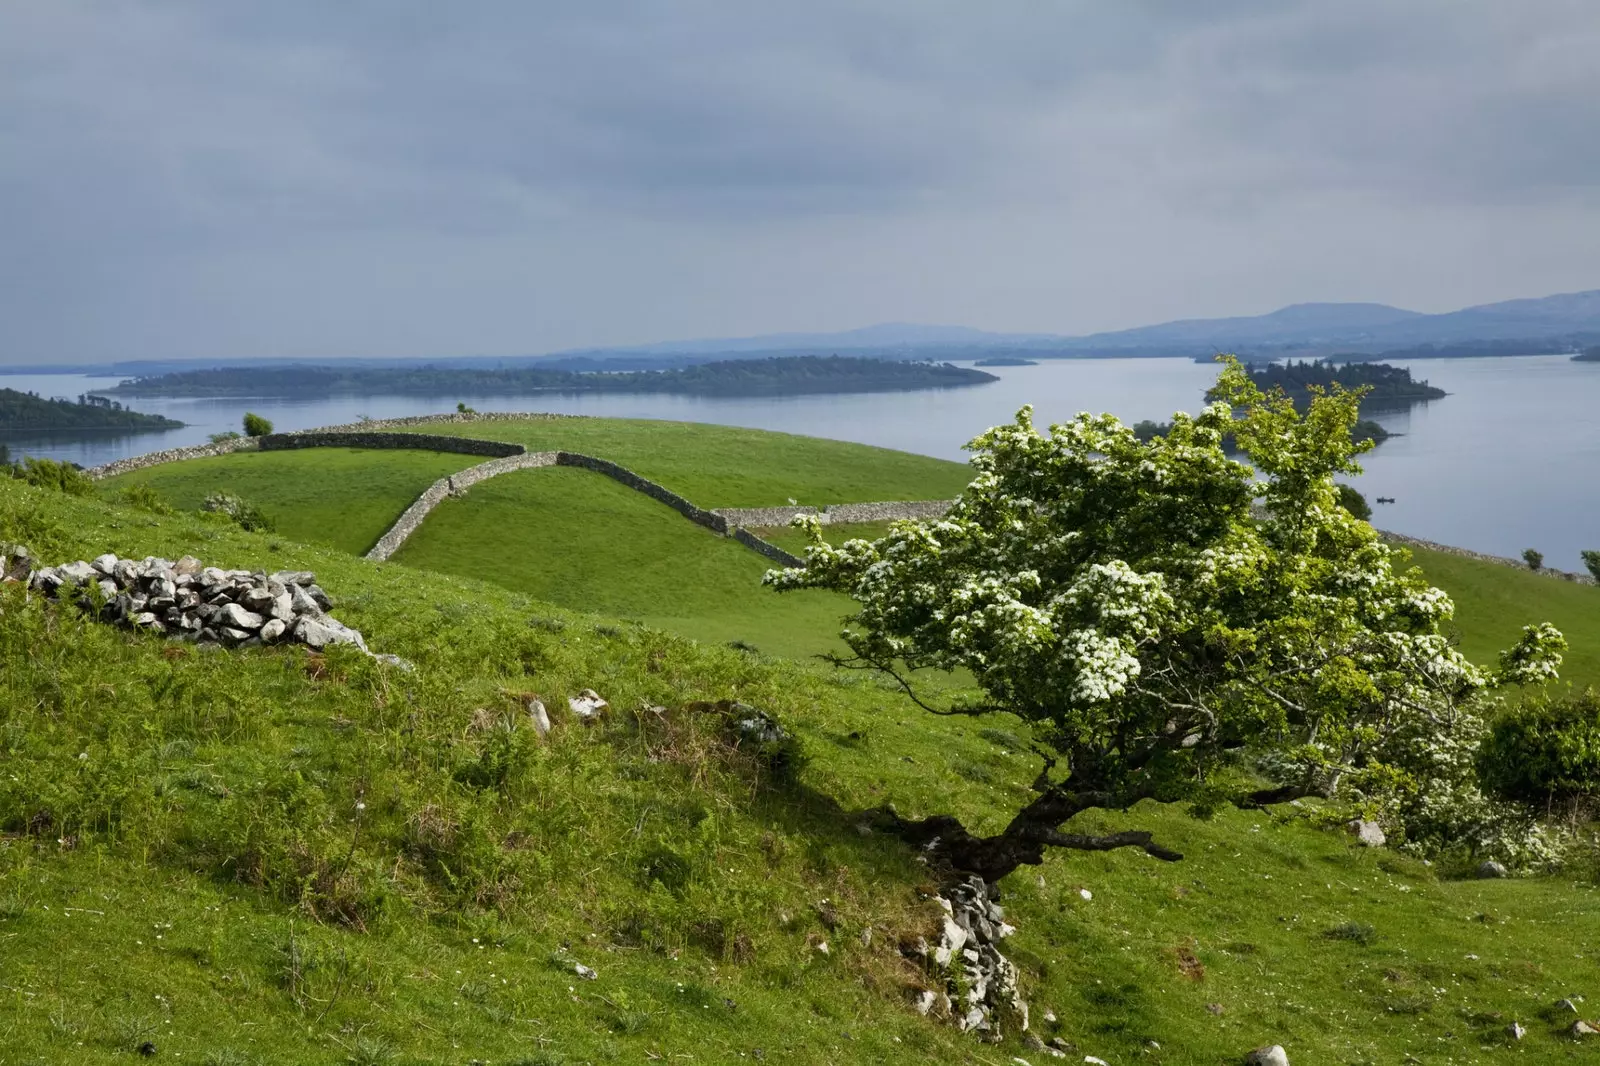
1389	388
1363	430
27	411
793	376
1588	355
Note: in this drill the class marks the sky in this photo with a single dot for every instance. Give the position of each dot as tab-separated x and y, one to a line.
305	179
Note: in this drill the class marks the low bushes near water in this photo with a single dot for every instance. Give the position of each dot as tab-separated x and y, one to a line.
1547	752
52	474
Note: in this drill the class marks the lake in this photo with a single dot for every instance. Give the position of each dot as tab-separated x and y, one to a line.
1509	460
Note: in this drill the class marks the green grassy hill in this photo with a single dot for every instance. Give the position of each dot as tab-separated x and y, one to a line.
725	466
581	540
342	498
261	856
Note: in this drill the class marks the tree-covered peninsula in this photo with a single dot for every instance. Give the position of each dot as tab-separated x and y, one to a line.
1588	355
1388	388
26	412
790	376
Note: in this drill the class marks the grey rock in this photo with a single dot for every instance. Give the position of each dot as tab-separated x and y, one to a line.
293	577
1581	1028
1489	869
283	606
539	716
1516	1031
233	615
257	599
322	599
320	633
1566	1006
187	566
1272	1055
77	573
106	564
233	635
403	665
584	972
923	1001
1367	833
587	705
272	629
302	604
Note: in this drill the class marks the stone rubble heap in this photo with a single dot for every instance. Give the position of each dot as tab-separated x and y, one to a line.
981	985
188	600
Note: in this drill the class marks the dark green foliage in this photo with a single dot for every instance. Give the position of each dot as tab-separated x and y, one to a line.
218	438
1534	559
1387	387
1352	500
1355	932
1591	562
1548	751
462	408
787	376
255	425
53	474
24	410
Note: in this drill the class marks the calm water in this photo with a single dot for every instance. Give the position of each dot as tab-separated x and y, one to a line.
1507	461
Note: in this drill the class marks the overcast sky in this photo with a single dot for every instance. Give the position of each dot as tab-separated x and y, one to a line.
407	177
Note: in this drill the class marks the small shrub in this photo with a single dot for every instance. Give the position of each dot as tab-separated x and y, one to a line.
50	474
1004	738
1355	932
1591	562
1534	559
1354	502
255	425
1549	751
250	517
462	408
141	496
218	438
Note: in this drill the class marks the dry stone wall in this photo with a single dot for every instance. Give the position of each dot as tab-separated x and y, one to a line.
171	455
1518	564
445	487
835	514
771	551
710	519
277	442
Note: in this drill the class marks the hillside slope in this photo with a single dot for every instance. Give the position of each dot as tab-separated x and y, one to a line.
262	856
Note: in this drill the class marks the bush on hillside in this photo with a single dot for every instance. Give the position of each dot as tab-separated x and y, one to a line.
1149	607
249	517
1591	562
255	425
1534	559
51	474
219	438
1548	752
142	496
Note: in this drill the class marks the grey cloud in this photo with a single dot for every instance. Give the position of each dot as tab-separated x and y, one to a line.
184	176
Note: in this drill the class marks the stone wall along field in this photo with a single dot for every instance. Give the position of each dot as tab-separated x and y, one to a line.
710	519
171	455
436	493
277	442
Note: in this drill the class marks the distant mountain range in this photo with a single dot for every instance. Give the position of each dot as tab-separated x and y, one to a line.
1570	321
1566	319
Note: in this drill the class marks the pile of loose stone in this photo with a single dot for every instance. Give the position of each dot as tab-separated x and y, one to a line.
980	984
188	600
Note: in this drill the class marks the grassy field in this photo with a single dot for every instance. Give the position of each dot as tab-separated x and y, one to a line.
342	498
580	540
1494	602
725	466
261	857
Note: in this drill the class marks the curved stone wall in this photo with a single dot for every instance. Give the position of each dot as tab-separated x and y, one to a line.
710	519
277	442
171	455
835	514
434	494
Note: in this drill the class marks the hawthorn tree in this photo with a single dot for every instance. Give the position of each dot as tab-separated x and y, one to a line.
1153	608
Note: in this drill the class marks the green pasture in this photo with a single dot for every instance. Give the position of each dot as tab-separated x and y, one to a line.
726	466
342	498
262	857
581	540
